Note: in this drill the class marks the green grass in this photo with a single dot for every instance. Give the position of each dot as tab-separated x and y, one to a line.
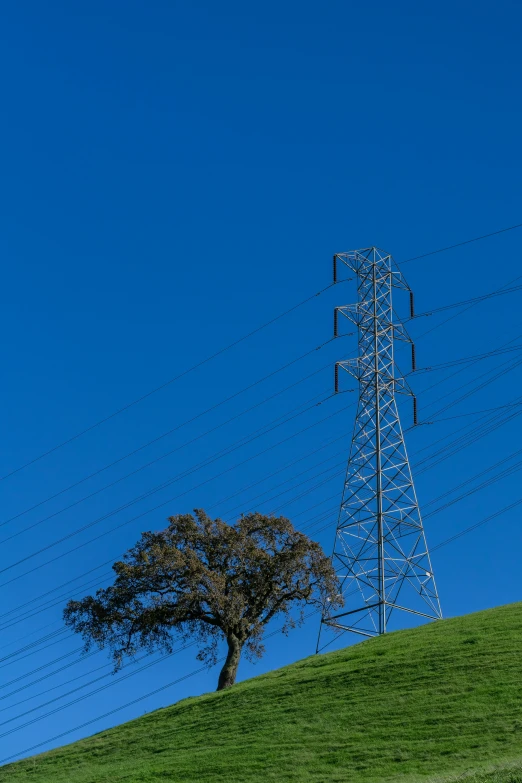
438	703
507	773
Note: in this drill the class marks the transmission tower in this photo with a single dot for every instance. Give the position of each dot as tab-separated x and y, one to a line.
380	553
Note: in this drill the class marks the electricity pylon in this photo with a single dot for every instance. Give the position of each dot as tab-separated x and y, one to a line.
380	553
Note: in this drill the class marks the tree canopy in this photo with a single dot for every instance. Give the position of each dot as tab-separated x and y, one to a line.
206	580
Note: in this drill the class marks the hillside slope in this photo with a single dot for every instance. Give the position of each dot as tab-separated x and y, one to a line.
436	701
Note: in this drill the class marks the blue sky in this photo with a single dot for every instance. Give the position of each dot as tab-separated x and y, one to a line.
175	174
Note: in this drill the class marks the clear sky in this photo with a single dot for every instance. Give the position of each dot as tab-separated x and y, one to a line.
174	174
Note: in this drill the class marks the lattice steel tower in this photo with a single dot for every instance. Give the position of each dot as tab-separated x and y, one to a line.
380	553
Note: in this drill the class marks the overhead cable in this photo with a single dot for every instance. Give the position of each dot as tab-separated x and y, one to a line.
150	510
166	433
165	384
460	244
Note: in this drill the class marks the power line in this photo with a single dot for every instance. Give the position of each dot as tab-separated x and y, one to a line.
40	641
245	337
197	671
464	441
35	647
161	457
460	244
474	300
509	368
224	350
469	307
488	372
166	434
16	609
110	712
84	528
486	483
324	481
478	524
472	413
5	618
493	372
466	360
288	487
87	695
49	676
84	657
99	580
52	603
480	430
32	645
92	693
474	357
254	384
131	703
154	508
45	666
477	475
52	688
27	635
313	488
272	474
279	421
368	550
277	473
293	499
67	596
164	385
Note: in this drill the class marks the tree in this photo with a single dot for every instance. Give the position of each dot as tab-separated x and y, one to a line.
206	580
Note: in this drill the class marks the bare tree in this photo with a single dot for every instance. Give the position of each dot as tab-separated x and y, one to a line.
206	580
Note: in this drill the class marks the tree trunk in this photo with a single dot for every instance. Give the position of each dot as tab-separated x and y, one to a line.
227	676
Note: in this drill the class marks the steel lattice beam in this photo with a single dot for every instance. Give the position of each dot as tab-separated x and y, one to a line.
380	553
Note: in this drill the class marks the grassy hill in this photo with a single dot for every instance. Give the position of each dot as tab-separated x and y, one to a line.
434	703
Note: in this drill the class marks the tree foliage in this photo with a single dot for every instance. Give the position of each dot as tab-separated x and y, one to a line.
204	580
